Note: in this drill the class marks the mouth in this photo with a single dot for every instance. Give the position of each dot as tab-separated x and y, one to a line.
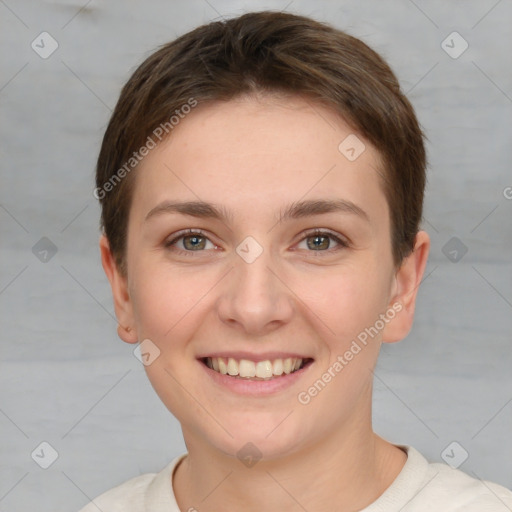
246	369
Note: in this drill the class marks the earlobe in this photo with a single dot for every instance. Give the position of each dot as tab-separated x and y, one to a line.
127	334
405	290
122	302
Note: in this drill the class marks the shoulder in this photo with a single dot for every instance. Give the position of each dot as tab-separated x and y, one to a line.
127	497
445	488
468	494
135	494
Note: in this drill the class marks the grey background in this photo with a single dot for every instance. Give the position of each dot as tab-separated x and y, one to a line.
68	380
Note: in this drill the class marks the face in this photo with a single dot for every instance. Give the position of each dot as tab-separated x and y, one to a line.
290	259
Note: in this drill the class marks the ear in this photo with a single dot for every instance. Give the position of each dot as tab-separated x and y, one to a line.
122	301
406	283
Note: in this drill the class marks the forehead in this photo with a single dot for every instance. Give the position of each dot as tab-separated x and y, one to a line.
260	153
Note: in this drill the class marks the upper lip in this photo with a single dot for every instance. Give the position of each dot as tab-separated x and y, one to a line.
260	356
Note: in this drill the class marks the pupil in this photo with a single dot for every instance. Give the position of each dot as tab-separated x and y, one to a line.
194	240
321	245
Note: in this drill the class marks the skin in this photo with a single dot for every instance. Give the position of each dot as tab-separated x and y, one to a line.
254	156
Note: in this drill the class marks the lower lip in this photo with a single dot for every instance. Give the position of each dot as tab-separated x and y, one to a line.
249	387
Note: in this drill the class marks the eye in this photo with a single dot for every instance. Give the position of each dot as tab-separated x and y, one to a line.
319	241
193	240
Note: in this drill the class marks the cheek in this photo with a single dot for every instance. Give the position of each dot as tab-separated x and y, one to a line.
158	302
346	301
165	300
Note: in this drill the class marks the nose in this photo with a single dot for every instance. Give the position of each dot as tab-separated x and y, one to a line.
255	298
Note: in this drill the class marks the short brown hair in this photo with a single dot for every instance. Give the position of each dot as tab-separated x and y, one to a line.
268	52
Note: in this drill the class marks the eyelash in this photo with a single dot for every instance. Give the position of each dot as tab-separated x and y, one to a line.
316	232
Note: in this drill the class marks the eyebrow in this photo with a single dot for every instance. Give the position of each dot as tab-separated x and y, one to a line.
296	210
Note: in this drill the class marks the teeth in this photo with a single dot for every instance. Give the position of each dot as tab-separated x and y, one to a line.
232	367
277	367
249	369
288	365
223	367
246	368
263	370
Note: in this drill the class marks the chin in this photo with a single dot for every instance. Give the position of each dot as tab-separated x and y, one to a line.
255	439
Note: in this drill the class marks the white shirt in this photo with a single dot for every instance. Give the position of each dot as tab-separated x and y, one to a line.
420	487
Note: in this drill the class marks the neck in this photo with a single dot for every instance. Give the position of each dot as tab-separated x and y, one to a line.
339	472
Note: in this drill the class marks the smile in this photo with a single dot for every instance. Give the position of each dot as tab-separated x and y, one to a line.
255	370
